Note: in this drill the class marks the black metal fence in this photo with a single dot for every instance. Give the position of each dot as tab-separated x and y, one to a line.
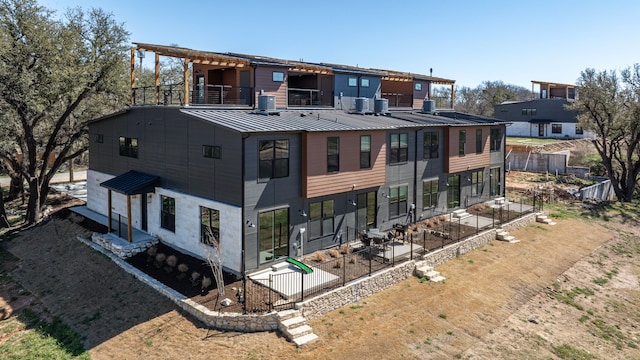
173	94
336	267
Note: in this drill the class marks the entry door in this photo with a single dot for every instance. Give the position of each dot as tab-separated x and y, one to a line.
540	129
453	191
245	87
366	211
143	211
273	234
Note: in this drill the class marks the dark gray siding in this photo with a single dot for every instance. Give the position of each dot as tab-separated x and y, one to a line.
546	109
345	95
398	174
170	146
272	194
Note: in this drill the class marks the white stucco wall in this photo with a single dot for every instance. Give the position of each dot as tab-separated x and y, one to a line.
525	129
187	233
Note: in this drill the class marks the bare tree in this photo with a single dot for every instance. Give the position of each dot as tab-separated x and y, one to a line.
610	107
55	75
214	258
481	99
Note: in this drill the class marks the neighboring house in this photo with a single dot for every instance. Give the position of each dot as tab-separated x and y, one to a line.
265	182
545	116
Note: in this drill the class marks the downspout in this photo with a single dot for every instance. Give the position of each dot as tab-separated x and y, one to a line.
243	227
415	175
504	163
253	101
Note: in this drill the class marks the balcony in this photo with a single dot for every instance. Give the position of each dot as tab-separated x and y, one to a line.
398	100
173	95
308	98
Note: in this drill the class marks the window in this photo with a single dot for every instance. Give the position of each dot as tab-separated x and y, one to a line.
496	139
128	147
399	148
209	226
99	138
321	219
273	234
430	145
478	141
556	128
579	130
365	151
353	81
397	201
462	142
476	183
494	176
529	112
277	76
430	194
453	191
168	213
333	154
364	82
210	151
274	159
418	87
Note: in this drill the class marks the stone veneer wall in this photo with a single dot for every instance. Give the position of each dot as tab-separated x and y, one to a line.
321	304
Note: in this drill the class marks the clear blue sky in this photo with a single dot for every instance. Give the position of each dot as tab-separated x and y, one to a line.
468	41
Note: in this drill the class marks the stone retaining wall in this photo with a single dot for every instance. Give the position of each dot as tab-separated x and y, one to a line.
321	304
119	247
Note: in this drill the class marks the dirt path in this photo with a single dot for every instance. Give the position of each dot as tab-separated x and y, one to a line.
481	310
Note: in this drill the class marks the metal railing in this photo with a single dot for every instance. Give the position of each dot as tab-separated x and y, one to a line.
398	100
360	258
308	97
173	94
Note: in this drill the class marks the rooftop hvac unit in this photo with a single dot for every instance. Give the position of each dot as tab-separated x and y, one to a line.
267	103
429	106
381	106
362	105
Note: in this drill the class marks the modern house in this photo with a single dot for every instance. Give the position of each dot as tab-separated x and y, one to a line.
546	116
274	181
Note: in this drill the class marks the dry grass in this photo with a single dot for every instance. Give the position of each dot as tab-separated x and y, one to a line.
333	253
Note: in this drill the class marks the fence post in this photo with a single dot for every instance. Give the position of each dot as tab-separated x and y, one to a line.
411	246
270	291
493	217
301	286
370	256
393	254
344	269
477	223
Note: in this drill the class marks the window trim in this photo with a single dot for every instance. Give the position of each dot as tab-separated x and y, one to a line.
364	82
462	143
579	130
430	147
396	201
333	154
432	203
556	126
477	182
352	81
397	151
479	141
170	213
211	151
418	86
127	147
277	76
324	219
214	230
365	153
274	160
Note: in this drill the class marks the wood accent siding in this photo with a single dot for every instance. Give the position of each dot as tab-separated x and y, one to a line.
264	82
419	96
401	87
317	182
471	160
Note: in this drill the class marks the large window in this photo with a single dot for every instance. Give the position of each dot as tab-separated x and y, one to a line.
321	215
273	234
333	154
168	213
397	201
462	142
478	141
209	226
556	128
430	194
128	147
365	151
496	139
476	183
453	191
430	145
274	159
579	130
399	148
210	151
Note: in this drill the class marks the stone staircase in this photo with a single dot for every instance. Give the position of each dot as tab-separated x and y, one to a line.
294	327
542	218
427	272
503	235
460	214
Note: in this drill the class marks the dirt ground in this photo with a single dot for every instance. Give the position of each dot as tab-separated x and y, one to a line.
501	301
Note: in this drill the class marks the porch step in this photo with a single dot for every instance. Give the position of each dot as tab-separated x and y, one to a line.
460	214
438	279
294	327
280	266
428	273
503	235
420	272
541	218
500	200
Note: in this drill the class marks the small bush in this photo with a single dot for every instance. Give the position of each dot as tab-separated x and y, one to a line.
338	264
183	268
160	257
206	282
334	253
346	249
194	278
152	251
352	260
319	256
172	261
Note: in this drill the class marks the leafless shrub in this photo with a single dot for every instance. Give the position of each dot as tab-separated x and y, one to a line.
338	264
319	256
334	253
183	268
352	259
152	251
346	249
160	258
206	282
172	261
